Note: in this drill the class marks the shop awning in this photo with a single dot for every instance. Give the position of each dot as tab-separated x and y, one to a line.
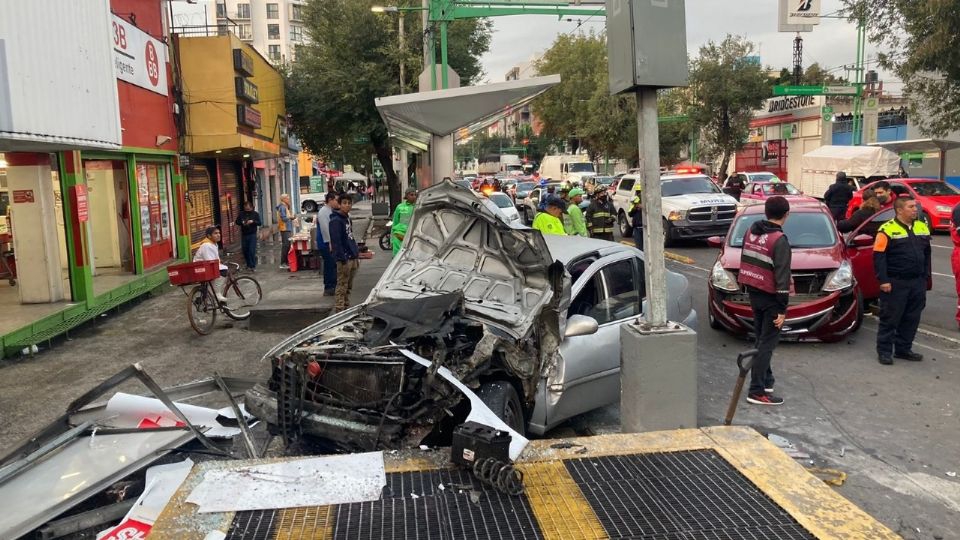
412	119
923	145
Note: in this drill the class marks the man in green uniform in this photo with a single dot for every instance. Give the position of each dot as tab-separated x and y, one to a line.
401	219
578	227
548	222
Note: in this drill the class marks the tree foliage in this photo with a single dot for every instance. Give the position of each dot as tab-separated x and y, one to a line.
725	88
814	74
353	57
925	38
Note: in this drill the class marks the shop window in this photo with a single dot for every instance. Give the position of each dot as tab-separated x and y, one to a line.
152	189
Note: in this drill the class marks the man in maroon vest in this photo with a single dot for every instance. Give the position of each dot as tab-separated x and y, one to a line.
765	273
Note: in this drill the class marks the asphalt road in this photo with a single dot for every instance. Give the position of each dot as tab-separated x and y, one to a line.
892	429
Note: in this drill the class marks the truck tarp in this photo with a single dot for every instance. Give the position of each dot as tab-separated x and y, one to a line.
862	161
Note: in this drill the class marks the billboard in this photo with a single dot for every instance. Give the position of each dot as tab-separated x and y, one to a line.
803	12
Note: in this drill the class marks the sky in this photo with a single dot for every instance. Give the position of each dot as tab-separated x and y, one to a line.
833	43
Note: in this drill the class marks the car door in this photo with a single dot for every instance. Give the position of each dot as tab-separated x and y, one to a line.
611	291
861	257
751	194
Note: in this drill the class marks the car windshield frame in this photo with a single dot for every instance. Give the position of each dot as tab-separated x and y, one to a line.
580	167
762	177
950	190
526	186
797	224
501	195
710	187
767	188
604	180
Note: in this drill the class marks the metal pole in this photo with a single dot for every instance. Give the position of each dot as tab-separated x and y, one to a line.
443	55
402	52
858	82
429	52
656	271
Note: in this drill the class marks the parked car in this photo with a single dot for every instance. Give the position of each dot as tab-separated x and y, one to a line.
531	323
758	193
531	202
692	206
505	205
524	187
935	197
826	302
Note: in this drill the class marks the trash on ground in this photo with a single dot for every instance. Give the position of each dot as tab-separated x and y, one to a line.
320	481
830	476
952	474
128	410
161	483
564	445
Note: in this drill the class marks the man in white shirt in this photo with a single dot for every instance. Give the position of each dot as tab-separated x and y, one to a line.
209	250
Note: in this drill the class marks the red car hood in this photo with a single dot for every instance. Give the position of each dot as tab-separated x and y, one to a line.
803	259
947	200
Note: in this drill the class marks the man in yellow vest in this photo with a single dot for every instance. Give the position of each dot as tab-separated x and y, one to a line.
901	261
548	222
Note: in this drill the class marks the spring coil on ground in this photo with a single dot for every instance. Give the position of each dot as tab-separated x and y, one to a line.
502	476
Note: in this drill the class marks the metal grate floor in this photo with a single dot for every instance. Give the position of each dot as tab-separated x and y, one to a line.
690	495
679	495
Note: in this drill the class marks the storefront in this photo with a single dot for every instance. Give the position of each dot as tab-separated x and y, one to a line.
780	133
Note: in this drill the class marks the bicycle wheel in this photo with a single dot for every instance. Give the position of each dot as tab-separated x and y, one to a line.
242	294
202	309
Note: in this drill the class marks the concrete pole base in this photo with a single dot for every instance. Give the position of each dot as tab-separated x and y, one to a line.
658	377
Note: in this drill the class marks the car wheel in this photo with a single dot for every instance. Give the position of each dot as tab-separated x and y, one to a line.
503	400
668	240
714	323
626	229
860	310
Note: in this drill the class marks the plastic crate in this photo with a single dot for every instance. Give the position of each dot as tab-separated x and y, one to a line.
193	272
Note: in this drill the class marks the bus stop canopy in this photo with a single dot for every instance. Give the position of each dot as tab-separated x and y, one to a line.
413	119
923	145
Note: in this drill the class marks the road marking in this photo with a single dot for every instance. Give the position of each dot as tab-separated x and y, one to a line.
942	275
941	247
924	331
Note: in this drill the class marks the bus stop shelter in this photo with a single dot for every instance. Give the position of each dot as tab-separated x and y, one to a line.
923	145
429	122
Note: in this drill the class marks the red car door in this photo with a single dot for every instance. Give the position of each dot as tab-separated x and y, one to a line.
861	257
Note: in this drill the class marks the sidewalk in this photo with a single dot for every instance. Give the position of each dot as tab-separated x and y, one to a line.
156	333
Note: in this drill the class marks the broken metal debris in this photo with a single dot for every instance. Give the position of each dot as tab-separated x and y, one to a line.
89	448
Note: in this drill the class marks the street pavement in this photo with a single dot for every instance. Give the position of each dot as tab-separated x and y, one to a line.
892	429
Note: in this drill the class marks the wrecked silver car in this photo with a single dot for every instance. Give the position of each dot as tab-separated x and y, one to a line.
531	324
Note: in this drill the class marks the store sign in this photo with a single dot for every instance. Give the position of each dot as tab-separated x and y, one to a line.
247	90
81	203
138	58
248	116
790	103
803	12
242	62
21	196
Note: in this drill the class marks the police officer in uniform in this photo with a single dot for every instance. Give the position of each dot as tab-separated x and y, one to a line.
901	261
765	273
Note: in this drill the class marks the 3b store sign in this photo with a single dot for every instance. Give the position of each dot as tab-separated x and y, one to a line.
138	58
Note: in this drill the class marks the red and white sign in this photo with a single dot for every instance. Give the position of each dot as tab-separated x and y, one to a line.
82	203
138	58
130	529
23	196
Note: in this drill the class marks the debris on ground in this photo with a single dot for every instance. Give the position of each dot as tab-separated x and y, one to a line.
830	476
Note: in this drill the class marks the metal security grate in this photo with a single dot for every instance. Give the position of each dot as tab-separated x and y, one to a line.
254	525
679	495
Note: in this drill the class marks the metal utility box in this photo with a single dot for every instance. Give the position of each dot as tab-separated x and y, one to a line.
646	44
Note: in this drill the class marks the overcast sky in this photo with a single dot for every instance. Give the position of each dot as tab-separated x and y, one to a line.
831	44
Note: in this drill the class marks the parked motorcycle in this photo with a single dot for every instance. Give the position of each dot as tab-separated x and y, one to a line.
385	237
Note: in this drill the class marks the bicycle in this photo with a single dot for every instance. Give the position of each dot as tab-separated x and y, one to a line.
239	293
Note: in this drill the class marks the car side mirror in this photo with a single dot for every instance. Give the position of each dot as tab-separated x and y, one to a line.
715	241
581	325
862	240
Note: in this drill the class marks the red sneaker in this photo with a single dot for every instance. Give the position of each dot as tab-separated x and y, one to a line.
764	399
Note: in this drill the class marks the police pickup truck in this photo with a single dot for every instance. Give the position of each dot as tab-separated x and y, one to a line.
692	206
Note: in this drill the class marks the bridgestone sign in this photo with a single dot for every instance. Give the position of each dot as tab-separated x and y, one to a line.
785	104
803	12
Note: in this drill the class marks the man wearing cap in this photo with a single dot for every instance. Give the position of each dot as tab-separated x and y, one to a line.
401	219
578	227
600	217
548	221
565	217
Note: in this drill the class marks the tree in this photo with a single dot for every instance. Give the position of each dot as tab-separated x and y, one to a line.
352	58
725	89
925	36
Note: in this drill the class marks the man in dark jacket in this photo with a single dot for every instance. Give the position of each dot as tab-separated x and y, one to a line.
249	223
345	251
765	273
600	217
734	186
838	196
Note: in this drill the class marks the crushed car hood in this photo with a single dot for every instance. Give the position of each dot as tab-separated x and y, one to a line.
458	242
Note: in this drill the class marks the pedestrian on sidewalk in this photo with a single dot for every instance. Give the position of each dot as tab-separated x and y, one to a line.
548	222
345	251
636	220
901	261
249	223
765	272
838	196
285	224
401	219
955	255
600	217
329	269
578	225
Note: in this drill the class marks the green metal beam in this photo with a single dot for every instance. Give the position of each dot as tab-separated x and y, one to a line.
469	11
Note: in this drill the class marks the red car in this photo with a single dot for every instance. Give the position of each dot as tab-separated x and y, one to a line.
758	192
937	198
825	303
